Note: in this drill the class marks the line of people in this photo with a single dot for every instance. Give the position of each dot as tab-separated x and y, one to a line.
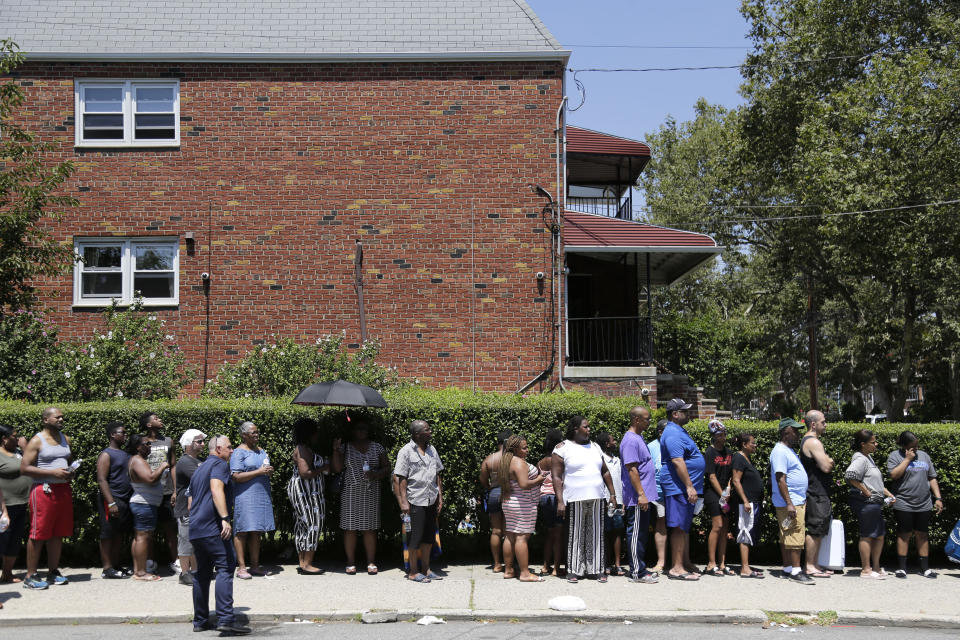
603	498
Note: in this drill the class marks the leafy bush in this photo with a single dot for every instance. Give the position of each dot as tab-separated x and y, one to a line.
284	367
131	358
28	348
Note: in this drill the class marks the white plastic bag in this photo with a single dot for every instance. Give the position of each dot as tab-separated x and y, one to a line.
567	603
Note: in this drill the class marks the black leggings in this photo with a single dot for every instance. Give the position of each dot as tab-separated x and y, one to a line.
423	526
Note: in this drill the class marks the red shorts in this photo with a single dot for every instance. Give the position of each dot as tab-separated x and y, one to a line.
51	514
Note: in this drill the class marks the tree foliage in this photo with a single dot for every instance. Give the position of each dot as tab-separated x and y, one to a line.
851	106
29	196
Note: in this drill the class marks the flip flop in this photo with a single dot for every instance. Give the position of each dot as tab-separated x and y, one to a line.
602	577
727	571
533	579
717	572
820	574
753	574
572	579
351	570
149	577
687	577
419	578
434	576
372	569
243	574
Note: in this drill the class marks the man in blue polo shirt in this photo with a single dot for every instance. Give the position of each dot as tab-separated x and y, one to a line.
682	480
211	534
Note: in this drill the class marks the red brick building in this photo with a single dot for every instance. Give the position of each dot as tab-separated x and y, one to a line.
258	146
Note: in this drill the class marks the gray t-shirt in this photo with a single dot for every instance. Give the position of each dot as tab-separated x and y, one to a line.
863	469
421	471
912	490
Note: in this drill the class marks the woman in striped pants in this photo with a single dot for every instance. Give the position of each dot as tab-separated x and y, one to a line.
520	493
305	491
579	477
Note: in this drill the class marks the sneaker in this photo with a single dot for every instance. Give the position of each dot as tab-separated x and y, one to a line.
233	628
647	578
151	566
929	573
901	573
34	582
186	578
112	574
802	578
126	571
55	577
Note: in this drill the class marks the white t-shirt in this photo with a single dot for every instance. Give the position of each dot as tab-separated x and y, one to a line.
582	471
613	465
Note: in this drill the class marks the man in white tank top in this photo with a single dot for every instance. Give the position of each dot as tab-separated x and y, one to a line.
47	460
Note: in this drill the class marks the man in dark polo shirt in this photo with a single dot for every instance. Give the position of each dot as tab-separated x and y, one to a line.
212	537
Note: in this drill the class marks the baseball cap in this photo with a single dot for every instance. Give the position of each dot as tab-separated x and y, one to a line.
787	423
189	435
716	427
677	404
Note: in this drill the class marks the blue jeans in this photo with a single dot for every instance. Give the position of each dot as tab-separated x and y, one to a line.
638	530
213	553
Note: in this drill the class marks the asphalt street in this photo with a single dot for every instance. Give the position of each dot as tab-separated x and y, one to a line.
499	631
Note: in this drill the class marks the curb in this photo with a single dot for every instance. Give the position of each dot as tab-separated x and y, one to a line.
741	616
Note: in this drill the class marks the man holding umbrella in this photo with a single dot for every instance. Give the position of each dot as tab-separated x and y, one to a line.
419	494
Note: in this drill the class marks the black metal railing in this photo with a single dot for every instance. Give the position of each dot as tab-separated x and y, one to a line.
615	341
612	207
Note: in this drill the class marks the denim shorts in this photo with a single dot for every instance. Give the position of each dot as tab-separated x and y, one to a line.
493	501
547	512
144	516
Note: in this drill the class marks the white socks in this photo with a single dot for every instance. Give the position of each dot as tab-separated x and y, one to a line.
791	571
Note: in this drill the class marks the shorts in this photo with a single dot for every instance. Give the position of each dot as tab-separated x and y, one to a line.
165	511
711	504
51	514
909	521
796	536
493	501
184	547
12	538
110	525
679	512
144	516
614	523
658	505
547	517
423	525
819	515
869	517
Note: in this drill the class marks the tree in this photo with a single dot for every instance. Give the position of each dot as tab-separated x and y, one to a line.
29	197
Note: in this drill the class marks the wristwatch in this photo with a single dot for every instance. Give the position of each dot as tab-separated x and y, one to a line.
225	518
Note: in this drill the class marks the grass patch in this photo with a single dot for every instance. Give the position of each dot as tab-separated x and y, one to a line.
778	617
825	618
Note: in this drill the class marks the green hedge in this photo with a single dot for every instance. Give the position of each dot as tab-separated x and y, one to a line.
464	431
464	428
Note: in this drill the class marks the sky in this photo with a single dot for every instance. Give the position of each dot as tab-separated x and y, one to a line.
634	104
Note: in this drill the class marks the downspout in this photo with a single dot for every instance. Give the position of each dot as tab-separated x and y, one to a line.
555	287
559	267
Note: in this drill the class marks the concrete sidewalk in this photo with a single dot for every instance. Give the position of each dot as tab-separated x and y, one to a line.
473	592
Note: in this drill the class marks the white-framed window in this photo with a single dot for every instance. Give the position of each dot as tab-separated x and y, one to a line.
123	269
127	113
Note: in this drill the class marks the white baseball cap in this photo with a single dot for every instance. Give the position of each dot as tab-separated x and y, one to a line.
189	435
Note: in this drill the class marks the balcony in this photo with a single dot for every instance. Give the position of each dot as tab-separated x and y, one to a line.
622	341
605	206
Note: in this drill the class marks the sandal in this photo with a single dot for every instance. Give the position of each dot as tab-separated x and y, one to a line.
372	569
688	577
147	577
727	571
534	578
753	574
434	576
243	574
419	578
602	577
713	571
572	579
351	570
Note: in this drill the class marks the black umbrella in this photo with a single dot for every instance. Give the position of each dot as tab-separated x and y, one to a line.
341	393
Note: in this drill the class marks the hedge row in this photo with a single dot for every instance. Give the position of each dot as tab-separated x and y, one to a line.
464	428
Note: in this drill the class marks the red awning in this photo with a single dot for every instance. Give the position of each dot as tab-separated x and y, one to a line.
672	253
581	140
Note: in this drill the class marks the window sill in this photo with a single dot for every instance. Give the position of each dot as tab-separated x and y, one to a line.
127	145
103	304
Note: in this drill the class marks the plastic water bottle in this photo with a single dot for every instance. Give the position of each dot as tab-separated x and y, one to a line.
366	466
266	460
4	523
725	501
406	522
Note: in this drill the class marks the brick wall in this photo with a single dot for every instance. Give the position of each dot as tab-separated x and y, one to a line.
283	167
